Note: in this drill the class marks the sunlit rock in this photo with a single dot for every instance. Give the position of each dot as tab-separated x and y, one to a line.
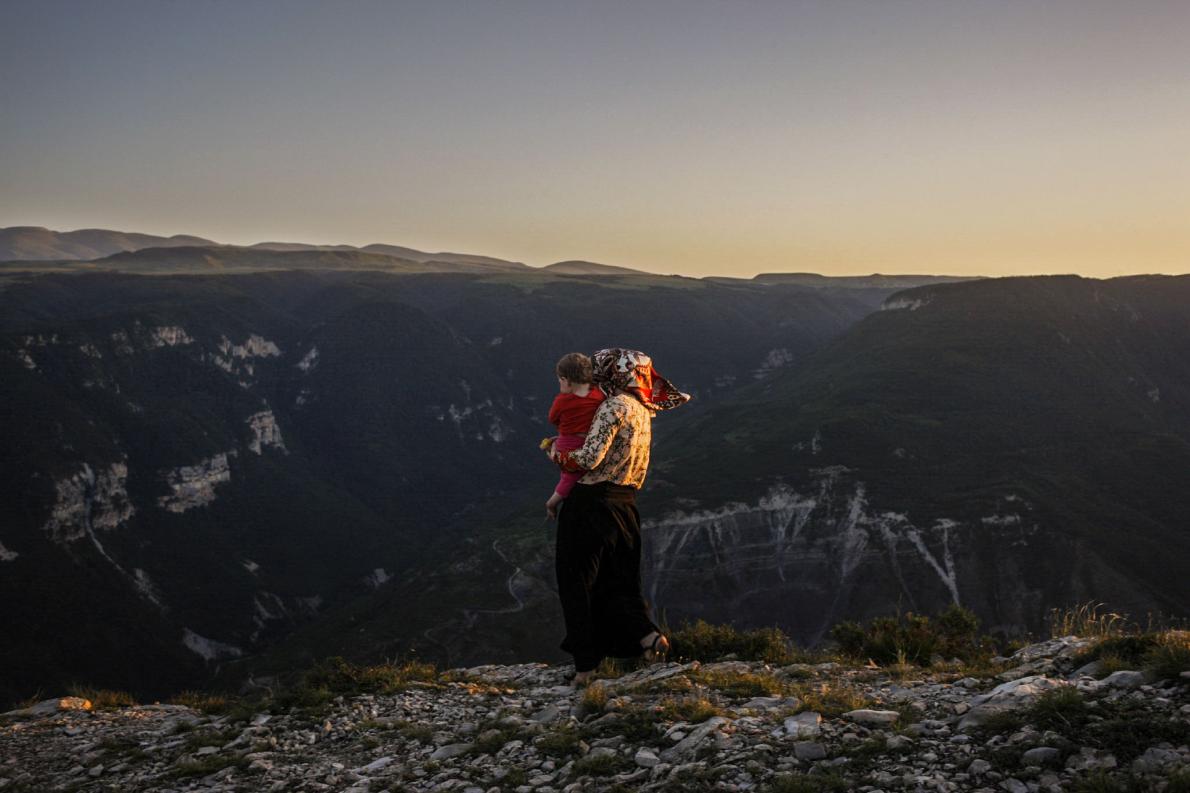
194	485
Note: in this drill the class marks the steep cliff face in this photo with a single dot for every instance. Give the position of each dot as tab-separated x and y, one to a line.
806	560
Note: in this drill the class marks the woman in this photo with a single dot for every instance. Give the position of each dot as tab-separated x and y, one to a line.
598	553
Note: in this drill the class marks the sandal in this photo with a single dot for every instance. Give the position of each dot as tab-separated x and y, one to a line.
653	653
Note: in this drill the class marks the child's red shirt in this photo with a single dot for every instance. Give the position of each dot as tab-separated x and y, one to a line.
572	414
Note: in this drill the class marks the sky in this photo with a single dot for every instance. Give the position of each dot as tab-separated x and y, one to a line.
700	138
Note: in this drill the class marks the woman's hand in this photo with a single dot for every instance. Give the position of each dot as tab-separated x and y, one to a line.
551	506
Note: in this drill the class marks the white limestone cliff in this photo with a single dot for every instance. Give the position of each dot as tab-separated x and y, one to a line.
265	432
89	500
194	485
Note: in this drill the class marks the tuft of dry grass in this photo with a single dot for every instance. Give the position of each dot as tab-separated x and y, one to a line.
1088	620
103	698
691	709
342	677
832	698
594	700
201	701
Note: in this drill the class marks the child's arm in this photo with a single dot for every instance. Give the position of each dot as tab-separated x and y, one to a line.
555	416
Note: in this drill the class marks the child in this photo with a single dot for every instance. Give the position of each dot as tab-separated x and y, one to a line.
572	411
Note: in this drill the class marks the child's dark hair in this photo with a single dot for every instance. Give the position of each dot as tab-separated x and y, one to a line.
575	367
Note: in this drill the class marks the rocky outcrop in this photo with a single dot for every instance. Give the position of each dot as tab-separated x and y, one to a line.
89	500
265	432
238	359
666	727
194	485
209	649
309	360
169	336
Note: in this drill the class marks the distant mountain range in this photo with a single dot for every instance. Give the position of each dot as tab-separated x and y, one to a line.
32	243
36	249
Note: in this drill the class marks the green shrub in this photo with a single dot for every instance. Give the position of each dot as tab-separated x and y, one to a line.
600	765
1062	710
635	723
1169	657
1128	649
741	684
914	638
696	779
562	743
1129	731
703	641
342	677
204	766
1103	782
1179	782
806	783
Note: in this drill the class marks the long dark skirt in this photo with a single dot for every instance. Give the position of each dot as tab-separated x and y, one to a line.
598	568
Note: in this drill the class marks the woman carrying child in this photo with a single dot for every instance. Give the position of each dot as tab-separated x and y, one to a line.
599	546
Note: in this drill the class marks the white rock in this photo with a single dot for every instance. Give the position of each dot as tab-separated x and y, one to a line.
1040	755
688	744
645	758
879	718
450	750
1124	678
375	766
807	724
1006	697
49	707
1155	760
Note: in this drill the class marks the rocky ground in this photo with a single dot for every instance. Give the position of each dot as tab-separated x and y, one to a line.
1030	723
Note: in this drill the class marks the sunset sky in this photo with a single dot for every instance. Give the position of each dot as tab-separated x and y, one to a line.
701	138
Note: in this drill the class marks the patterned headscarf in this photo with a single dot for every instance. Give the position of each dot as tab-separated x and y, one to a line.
632	372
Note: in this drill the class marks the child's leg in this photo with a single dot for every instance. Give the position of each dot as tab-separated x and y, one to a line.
568	443
566	483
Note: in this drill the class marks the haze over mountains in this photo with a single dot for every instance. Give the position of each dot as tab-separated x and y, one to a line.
283	458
